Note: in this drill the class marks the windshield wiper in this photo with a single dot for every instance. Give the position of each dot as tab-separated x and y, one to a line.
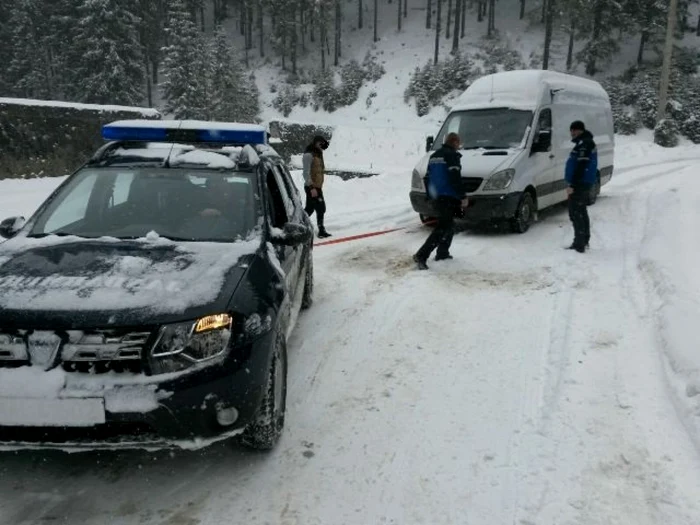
57	234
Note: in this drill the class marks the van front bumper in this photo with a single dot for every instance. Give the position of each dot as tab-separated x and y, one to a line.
482	208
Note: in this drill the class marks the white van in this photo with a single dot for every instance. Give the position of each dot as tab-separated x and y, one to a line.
515	136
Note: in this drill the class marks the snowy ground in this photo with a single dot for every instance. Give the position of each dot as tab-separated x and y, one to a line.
520	383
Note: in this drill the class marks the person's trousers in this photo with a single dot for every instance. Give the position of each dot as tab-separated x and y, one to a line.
578	213
315	204
441	237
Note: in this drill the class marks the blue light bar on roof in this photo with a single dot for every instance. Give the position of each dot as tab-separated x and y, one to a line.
175	131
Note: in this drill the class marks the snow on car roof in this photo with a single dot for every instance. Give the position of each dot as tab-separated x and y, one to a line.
147	112
205	158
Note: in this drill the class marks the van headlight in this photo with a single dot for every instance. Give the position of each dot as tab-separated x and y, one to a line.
500	180
417	181
182	345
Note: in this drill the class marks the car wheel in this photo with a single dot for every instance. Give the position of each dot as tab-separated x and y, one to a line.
524	215
425	219
308	297
264	431
595	191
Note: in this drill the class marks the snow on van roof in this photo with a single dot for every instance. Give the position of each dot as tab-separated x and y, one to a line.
522	89
147	112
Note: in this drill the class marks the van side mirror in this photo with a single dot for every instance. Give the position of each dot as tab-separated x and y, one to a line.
10	227
429	143
543	142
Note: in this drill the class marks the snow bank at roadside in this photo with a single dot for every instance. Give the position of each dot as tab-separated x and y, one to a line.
669	259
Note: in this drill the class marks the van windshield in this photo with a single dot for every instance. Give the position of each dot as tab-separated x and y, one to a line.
492	128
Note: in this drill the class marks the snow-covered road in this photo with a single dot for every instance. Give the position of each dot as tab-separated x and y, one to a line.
520	384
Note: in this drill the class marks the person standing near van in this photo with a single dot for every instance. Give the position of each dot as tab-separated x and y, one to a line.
444	186
314	169
581	174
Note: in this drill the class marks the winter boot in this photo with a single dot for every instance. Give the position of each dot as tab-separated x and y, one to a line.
420	262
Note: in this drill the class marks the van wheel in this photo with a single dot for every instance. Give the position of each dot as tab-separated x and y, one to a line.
524	215
595	191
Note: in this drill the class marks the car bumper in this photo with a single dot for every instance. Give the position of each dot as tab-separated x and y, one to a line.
482	208
186	416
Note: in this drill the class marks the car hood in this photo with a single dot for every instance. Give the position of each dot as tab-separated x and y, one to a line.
479	162
75	283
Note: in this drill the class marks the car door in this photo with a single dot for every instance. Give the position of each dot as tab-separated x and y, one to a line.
281	210
544	161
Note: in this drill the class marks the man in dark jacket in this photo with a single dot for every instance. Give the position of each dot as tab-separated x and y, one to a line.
444	187
314	169
581	175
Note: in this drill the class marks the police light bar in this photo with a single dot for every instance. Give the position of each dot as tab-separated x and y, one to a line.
184	131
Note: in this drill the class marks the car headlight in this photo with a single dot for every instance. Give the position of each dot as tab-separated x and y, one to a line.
182	345
417	181
500	180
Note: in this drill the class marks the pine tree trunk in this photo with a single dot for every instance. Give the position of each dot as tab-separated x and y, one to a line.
398	11
458	19
312	25
359	15
570	52
697	30
438	15
294	44
250	27
260	29
522	9
428	14
322	36
548	33
591	68
201	15
242	17
492	17
376	20
337	32
544	11
464	18
405	8
642	43
149	86
448	25
480	11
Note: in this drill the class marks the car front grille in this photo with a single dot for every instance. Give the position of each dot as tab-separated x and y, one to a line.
471	184
89	351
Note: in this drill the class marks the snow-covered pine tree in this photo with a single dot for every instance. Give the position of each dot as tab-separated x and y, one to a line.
5	45
106	54
234	95
30	68
186	70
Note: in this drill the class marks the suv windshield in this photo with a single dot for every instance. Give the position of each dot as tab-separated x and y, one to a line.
493	128
126	203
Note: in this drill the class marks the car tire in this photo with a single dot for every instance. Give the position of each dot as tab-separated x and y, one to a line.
265	430
308	297
524	215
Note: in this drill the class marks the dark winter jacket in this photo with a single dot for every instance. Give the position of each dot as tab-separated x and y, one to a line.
444	174
582	164
313	167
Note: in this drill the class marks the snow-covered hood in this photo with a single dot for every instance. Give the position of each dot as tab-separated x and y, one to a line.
478	162
72	282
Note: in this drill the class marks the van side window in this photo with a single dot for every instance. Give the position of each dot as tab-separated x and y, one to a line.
544	123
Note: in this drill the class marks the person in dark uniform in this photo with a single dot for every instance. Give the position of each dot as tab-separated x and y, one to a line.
314	174
444	187
581	176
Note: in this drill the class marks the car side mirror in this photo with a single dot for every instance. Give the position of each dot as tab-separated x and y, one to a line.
429	143
10	227
293	234
543	142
